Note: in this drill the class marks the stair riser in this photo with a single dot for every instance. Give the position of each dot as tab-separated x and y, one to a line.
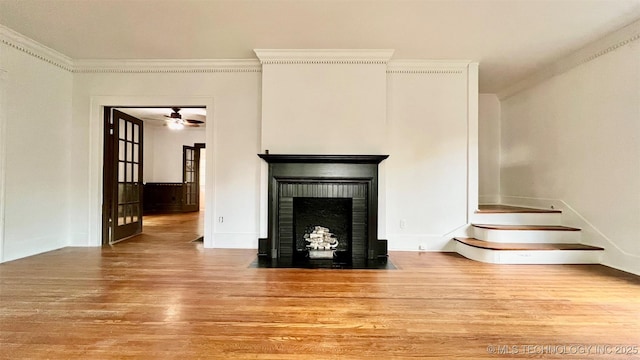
530	256
517	218
527	236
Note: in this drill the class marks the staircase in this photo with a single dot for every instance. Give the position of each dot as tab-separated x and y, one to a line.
503	234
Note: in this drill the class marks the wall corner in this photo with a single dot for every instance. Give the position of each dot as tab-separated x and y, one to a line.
472	139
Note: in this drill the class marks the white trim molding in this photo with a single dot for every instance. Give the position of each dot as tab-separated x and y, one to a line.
592	51
3	155
420	242
473	172
324	56
166	66
31	47
488	199
428	66
613	256
234	241
266	56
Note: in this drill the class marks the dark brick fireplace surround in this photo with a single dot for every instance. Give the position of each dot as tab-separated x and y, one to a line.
303	179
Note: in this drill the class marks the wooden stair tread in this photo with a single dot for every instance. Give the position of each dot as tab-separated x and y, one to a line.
526	227
506	209
522	246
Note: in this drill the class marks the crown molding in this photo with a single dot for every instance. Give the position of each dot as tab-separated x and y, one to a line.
166	66
31	47
428	66
590	52
324	56
266	56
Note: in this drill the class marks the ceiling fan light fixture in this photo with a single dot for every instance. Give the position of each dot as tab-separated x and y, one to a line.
177	124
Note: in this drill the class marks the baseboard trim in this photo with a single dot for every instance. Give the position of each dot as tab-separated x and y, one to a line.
420	242
616	259
80	239
488	199
31	247
234	241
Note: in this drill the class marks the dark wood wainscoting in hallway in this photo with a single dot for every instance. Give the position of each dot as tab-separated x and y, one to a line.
162	296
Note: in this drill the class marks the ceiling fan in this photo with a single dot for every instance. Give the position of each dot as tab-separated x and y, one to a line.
176	121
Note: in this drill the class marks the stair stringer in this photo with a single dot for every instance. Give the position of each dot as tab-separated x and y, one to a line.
613	255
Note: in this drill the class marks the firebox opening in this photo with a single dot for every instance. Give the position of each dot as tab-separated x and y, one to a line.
312	215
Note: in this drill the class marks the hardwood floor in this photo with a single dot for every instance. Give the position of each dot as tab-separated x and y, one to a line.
161	296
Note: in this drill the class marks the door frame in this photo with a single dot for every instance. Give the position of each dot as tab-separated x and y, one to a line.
96	153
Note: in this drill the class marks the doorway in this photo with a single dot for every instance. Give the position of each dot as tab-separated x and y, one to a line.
170	158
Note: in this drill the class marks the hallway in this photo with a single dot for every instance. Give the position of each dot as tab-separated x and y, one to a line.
160	231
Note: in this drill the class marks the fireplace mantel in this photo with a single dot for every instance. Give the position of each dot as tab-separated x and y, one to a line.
326	159
323	176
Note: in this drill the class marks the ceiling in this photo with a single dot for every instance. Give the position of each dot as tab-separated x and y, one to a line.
509	38
158	116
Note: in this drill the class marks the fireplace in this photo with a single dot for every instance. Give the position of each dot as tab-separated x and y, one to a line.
322	227
323	204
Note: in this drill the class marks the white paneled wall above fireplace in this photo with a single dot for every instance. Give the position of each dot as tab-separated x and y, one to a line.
422	113
324	101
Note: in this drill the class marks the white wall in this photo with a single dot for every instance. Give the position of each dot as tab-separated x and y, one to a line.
232	136
53	130
426	180
489	148
36	154
324	108
575	140
163	151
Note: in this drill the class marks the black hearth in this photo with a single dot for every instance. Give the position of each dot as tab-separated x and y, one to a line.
338	193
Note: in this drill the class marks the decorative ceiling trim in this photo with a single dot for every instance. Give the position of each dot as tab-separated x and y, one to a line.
323	56
166	66
428	66
31	47
590	52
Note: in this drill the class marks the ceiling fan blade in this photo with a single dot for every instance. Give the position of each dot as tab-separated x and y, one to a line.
152	119
194	121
